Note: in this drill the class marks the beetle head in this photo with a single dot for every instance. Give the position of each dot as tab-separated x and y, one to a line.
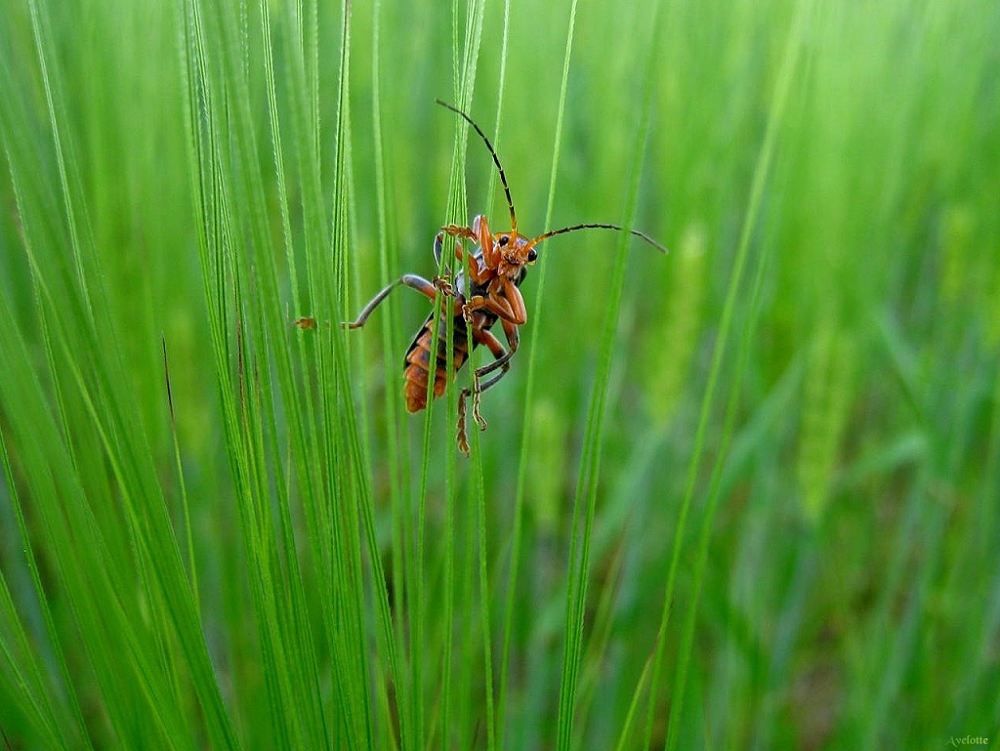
516	252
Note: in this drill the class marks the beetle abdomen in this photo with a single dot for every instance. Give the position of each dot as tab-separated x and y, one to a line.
418	359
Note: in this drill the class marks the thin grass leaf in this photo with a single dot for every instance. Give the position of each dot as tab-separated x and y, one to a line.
789	67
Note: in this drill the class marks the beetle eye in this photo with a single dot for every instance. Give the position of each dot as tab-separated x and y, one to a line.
504	239
532	255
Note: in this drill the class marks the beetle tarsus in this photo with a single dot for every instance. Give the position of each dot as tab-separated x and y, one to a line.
463	438
480	420
443	285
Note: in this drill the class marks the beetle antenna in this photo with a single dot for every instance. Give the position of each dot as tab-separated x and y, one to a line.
496	159
575	227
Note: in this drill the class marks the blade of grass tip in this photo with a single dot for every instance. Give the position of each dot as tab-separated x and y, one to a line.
634	704
786	73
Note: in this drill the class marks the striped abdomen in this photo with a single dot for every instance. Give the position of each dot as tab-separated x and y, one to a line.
418	356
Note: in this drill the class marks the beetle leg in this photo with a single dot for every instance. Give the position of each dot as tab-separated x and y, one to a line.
421	285
476	401
503	356
443	285
502	362
485	337
463	438
443	282
471	306
456	231
439	242
508	306
477	271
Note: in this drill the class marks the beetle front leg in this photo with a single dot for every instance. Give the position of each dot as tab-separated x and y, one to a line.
502	298
443	285
477	270
459	233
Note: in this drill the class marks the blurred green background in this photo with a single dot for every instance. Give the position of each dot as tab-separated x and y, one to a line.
741	496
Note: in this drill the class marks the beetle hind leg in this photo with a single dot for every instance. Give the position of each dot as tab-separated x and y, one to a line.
421	285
